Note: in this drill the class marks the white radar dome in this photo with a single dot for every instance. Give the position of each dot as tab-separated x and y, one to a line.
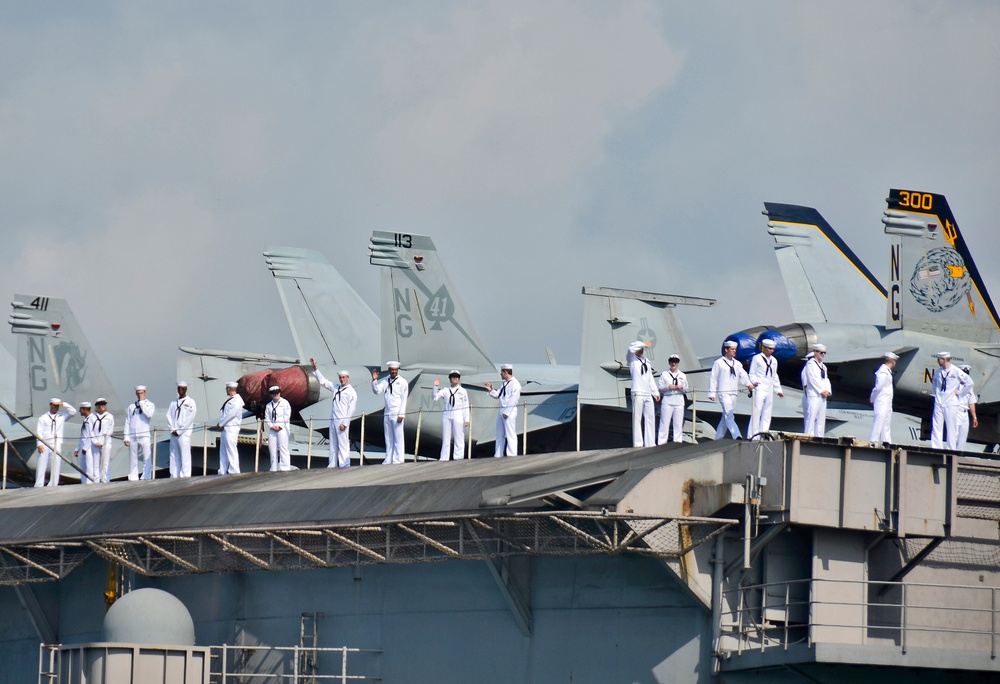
149	616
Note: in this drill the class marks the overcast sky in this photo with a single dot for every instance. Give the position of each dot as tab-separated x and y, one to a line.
150	151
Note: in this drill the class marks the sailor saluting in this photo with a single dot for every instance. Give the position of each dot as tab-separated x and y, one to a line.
342	408
644	392
50	433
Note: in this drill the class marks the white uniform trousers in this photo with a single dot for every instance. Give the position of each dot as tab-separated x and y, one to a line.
45	459
180	455
506	433
643	420
760	419
671	415
277	446
815	423
229	455
727	400
90	464
104	459
881	419
944	423
340	445
135	446
452	432
394	445
961	430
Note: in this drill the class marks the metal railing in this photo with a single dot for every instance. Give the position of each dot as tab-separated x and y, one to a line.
307	665
904	615
203	442
229	664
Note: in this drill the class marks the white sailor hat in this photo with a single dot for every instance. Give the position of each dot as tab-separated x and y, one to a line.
55	400
730	344
672	357
506	366
232	384
454	374
392	364
273	388
343	372
182	383
140	388
890	355
84	404
636	346
768	343
100	400
819	347
965	367
943	355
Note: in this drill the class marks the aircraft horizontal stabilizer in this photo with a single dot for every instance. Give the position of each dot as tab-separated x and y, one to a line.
240	356
824	279
861	354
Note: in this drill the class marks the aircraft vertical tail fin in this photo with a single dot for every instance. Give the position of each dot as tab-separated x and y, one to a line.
54	357
934	282
423	323
824	279
327	318
612	319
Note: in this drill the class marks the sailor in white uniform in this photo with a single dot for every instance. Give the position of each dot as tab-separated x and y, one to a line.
947	384
881	401
509	396
725	381
277	419
137	432
395	391
803	381
673	384
966	410
455	417
644	393
100	441
180	420
817	386
50	442
764	378
342	409
230	420
84	450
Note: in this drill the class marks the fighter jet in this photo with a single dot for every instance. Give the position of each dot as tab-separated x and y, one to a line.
936	301
428	330
613	318
54	359
428	335
329	322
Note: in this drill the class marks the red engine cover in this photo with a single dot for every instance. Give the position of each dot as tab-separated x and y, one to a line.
298	386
